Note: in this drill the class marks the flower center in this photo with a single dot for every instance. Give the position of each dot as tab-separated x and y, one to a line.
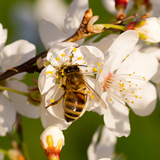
121	89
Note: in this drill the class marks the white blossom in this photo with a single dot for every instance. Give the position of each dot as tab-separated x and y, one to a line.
124	80
89	59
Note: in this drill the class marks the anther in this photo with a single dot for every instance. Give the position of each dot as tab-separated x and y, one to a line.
57	58
52	100
74	49
49	72
94	69
79	58
98	64
62	55
100	70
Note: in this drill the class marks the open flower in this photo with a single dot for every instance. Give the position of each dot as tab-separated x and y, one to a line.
13	55
51	81
124	80
51	33
148	29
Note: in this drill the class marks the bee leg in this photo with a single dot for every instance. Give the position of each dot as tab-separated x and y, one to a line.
56	102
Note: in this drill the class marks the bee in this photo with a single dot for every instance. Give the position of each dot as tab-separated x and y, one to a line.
76	93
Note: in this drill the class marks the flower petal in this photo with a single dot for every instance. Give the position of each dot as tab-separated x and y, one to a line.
7	115
3	36
17	53
48	119
46	79
55	93
50	33
105	43
116	119
143	65
103	147
145	104
20	101
121	47
74	16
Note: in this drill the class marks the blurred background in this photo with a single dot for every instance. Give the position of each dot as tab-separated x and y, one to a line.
21	18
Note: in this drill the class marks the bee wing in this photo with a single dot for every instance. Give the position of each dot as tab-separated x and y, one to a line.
96	95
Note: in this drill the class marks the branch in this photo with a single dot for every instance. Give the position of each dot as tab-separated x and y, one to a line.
86	29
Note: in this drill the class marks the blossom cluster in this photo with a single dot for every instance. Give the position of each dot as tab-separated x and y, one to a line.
112	76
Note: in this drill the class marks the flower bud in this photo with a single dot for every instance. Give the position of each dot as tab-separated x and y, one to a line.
52	140
148	29
121	4
15	154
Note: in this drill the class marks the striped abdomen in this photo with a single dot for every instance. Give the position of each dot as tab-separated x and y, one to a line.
73	105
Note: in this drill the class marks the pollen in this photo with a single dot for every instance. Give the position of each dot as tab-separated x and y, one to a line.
57	77
129	74
98	64
74	49
129	81
79	58
129	109
127	100
136	96
100	70
60	85
133	72
132	101
144	78
92	96
62	55
110	99
120	90
89	92
124	94
121	84
136	84
94	69
52	100
85	62
130	85
140	97
49	72
57	58
132	92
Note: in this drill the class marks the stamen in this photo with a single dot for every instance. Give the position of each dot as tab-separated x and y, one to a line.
52	100
98	64
100	70
79	58
57	58
57	77
74	49
49	72
62	55
60	85
94	69
92	96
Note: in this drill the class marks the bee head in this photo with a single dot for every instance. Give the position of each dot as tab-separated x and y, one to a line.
71	68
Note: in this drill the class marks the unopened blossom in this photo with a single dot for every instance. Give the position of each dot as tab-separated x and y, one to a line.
104	147
52	141
10	56
51	33
148	29
124	80
88	58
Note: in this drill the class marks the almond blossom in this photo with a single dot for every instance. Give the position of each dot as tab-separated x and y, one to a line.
51	33
89	59
124	81
12	55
